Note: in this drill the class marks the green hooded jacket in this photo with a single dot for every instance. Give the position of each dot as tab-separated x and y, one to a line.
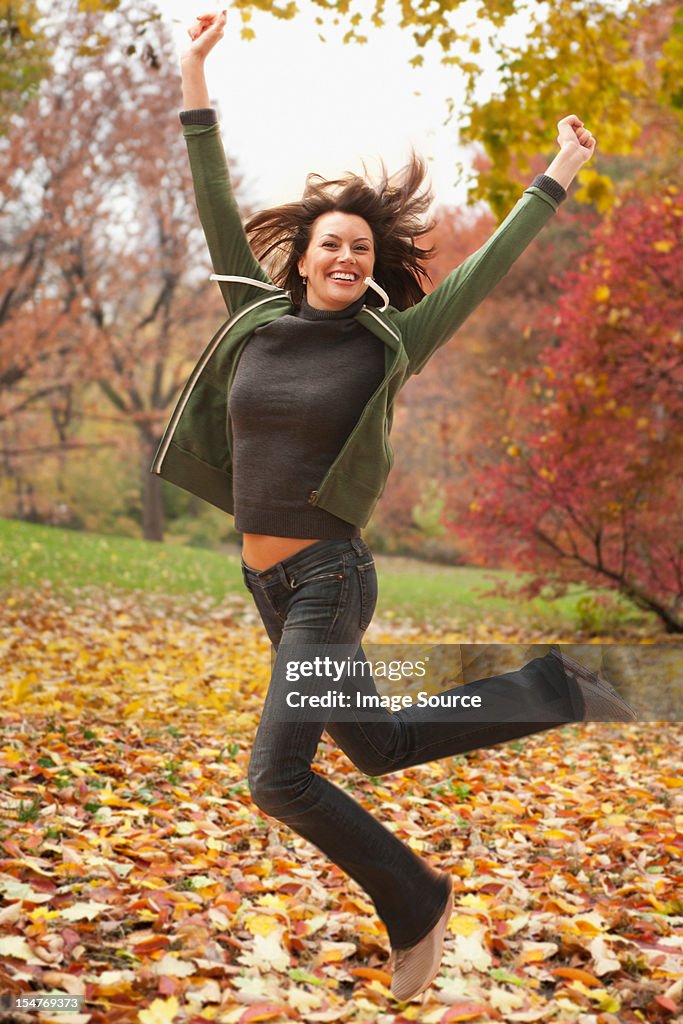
195	450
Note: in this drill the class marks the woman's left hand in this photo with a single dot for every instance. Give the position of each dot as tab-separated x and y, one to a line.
574	138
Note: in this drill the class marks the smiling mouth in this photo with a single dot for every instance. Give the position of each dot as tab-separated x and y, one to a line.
344	278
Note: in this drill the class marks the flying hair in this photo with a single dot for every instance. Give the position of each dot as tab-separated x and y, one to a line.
395	207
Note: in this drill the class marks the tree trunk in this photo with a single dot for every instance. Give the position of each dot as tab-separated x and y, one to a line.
152	500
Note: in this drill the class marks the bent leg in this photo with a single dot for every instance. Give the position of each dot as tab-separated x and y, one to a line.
532	699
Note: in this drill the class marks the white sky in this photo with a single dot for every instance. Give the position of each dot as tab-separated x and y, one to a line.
291	103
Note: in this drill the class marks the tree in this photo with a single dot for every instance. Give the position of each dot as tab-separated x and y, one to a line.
586	484
106	288
617	63
24	56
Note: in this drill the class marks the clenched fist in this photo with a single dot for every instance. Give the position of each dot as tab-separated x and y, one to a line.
205	32
573	137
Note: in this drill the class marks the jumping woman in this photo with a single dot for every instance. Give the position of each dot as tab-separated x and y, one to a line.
285	423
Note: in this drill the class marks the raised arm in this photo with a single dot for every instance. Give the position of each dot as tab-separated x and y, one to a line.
429	324
218	212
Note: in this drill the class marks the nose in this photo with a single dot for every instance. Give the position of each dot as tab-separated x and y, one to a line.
347	255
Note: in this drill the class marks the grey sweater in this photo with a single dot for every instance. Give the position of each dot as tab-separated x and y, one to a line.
301	384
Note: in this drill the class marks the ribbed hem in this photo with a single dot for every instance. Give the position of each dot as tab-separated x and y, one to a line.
315	523
552	187
202	115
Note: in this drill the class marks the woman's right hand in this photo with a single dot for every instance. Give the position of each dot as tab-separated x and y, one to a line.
205	32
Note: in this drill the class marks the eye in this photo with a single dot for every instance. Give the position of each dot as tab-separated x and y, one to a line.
329	245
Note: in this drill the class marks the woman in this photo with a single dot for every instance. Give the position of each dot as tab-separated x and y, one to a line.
285	422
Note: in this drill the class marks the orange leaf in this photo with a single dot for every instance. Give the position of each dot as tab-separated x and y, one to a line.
372	974
152	944
576	974
464	1011
263	1011
231	900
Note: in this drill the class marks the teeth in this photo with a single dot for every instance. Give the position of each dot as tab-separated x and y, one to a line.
343	277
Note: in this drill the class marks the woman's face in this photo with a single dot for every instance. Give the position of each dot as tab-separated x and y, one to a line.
340	255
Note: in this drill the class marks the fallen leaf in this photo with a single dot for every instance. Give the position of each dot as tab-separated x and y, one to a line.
160	1011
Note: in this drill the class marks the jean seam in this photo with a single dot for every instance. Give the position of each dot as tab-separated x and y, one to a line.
342	597
365	619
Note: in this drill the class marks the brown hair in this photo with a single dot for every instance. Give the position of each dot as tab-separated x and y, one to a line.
394	207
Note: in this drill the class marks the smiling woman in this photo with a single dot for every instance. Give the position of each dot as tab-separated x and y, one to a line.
285	422
339	258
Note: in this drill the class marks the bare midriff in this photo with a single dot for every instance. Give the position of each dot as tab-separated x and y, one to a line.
260	551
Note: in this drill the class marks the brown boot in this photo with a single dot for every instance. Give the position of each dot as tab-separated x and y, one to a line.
415	968
601	701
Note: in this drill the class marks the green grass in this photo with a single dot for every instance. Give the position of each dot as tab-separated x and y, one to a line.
68	561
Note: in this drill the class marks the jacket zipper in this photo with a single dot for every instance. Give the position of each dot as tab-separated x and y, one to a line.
196	374
379	320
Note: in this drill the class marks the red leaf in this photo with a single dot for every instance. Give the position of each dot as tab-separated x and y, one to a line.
167	986
667	1003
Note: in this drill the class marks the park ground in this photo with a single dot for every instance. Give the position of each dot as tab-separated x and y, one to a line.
136	872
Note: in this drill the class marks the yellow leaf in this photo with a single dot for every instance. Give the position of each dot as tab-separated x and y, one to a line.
261	924
463	924
17	947
133	705
601	293
664	246
161	1011
595	188
84	910
606	1002
10	754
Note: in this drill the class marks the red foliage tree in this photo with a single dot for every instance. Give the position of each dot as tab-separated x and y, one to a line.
586	483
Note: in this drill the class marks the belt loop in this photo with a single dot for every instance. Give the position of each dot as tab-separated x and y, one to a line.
284	578
358	545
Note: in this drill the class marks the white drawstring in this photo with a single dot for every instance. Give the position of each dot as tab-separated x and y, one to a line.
274	288
245	280
380	291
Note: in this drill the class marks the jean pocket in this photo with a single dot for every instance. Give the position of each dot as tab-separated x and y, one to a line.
367	577
296	581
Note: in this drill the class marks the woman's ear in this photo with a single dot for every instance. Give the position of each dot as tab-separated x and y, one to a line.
300	265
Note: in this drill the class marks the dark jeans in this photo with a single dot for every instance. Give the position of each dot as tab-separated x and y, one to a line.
326	595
